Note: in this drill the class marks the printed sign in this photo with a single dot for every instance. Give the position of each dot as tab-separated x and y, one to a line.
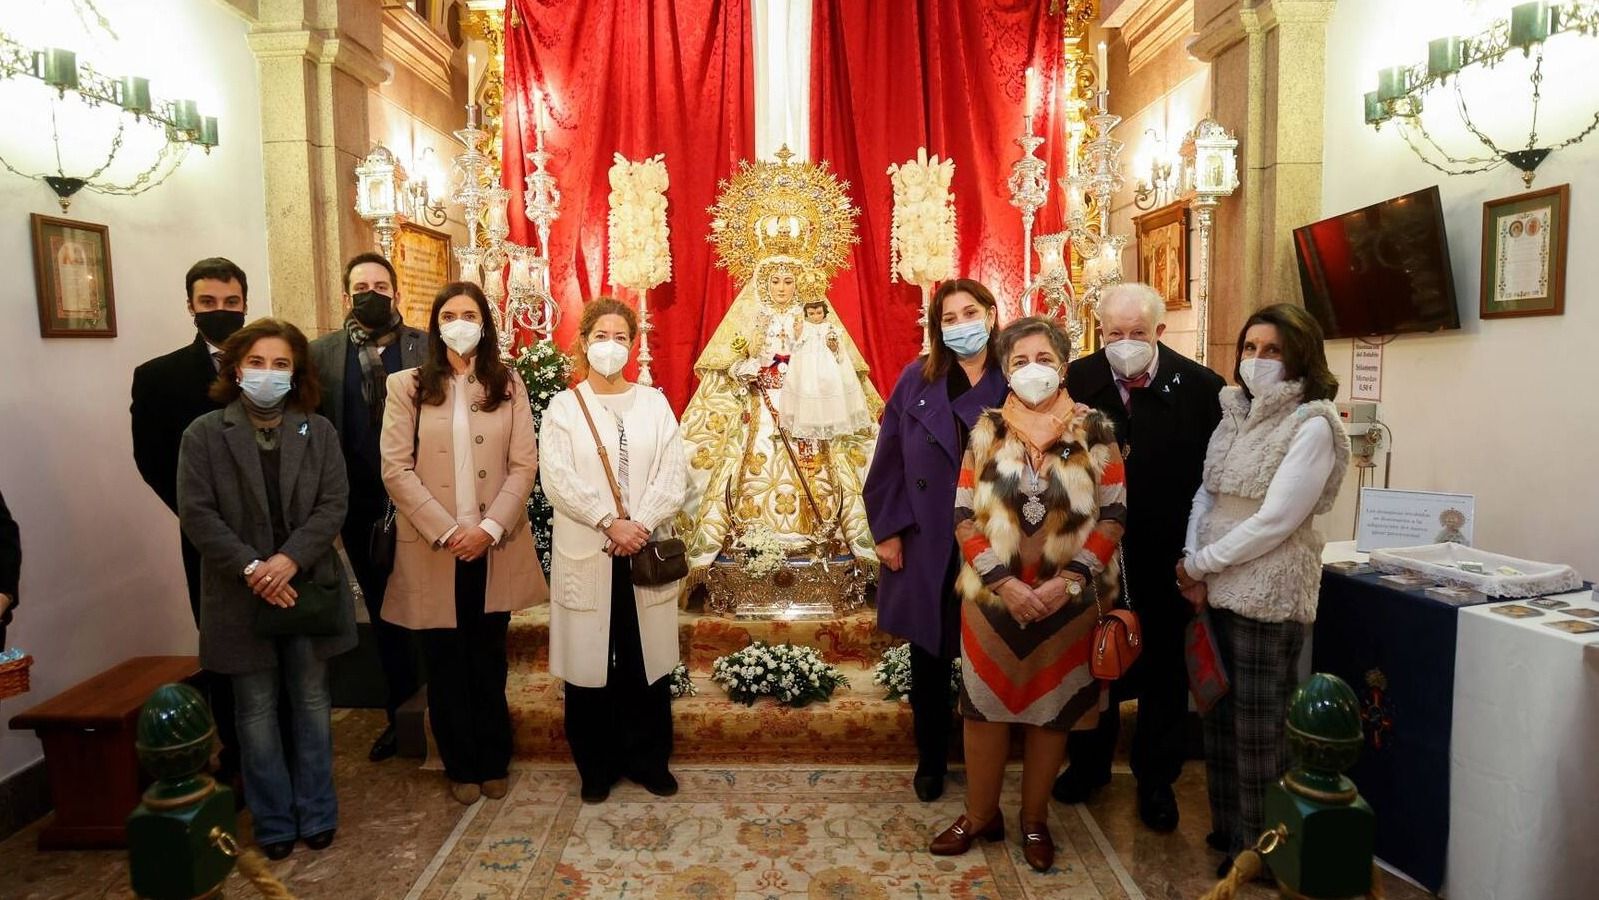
1413	519
1365	382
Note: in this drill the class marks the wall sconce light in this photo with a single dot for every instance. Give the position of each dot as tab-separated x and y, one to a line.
379	187
424	190
1529	28
81	83
1214	160
1158	176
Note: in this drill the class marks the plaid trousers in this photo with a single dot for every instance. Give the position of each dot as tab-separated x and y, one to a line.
1246	750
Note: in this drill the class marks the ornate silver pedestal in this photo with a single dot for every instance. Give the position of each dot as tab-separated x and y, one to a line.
807	588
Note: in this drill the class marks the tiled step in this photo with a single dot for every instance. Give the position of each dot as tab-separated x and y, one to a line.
856	726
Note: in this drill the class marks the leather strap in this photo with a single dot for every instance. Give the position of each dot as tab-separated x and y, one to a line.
605	458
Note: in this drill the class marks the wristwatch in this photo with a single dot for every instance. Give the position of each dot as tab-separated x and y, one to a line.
250	569
607	521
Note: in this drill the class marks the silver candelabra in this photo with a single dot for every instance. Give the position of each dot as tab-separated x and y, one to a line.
1029	188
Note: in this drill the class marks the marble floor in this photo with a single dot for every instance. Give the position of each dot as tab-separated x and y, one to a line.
732	832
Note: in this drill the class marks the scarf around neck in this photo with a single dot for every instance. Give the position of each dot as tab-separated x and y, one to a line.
368	345
1039	429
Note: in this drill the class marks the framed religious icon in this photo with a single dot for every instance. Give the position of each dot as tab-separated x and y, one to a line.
1524	254
422	261
1163	252
72	274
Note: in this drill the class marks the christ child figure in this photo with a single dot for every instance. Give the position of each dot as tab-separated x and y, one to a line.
821	398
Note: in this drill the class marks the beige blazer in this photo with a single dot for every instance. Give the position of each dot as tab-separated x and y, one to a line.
421	590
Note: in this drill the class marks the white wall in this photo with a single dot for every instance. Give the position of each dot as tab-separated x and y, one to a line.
1506	408
101	575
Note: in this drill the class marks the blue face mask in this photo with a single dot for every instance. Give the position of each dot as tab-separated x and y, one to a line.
266	388
967	338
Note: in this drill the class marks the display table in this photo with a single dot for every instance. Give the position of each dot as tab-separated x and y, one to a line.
1524	786
1396	649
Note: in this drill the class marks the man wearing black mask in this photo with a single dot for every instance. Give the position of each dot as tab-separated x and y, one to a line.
354	363
171	391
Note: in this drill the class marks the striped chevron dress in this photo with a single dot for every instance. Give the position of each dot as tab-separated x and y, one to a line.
1015	518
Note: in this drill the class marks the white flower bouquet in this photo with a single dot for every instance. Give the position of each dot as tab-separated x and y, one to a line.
682	684
789	674
641	255
922	236
893	672
759	550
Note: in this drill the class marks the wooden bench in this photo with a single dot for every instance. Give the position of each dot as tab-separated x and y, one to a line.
88	733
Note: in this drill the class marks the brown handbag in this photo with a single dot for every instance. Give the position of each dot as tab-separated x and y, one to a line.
657	563
1118	638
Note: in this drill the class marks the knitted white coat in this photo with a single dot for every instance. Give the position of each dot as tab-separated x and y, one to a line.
1244	454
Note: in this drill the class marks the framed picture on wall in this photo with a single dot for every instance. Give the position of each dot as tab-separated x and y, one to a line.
1524	254
422	261
1163	252
72	275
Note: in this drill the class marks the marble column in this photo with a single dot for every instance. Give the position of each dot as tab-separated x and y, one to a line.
319	60
1268	64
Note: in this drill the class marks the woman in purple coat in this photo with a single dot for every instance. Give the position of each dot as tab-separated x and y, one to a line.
910	492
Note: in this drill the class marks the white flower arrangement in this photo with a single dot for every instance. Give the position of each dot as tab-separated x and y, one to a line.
682	684
922	238
789	674
759	549
641	255
893	672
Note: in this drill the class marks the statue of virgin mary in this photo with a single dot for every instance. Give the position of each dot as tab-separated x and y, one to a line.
777	523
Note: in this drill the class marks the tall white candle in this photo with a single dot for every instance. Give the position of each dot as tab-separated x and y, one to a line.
1104	69
471	72
1032	92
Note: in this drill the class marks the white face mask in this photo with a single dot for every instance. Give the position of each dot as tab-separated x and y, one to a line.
607	357
461	336
1034	382
1129	358
1260	374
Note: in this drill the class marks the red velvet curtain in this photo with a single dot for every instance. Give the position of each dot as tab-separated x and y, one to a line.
636	77
888	77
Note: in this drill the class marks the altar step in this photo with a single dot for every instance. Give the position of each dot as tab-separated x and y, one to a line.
702	638
856	726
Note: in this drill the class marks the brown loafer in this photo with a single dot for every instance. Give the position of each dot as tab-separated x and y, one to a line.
1038	848
495	788
464	792
957	838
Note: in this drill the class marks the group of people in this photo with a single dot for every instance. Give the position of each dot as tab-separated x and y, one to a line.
1014	496
1130	477
402	459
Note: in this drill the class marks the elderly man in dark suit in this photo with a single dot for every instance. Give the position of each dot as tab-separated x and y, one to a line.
354	363
1165	406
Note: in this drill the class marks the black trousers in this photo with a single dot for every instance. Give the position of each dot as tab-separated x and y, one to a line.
625	727
466	683
932	702
396	644
1159	681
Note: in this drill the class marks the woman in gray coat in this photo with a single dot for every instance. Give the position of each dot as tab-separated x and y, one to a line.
262	493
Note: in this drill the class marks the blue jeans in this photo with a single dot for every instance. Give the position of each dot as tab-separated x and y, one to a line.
288	798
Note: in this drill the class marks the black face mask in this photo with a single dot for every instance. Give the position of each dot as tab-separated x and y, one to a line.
219	324
372	309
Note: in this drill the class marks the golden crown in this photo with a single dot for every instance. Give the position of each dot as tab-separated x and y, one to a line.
785	208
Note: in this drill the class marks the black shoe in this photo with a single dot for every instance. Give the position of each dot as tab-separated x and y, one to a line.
278	850
1075	786
661	784
594	793
928	787
321	841
387	744
1158	808
1218	842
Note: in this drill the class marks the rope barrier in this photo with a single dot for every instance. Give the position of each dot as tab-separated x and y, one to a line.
252	865
1251	862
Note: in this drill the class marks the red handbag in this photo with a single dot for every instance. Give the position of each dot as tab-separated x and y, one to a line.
1117	642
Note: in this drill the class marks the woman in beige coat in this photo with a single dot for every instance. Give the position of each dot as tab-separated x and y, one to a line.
613	643
459	459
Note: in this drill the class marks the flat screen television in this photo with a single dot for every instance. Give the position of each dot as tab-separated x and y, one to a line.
1379	270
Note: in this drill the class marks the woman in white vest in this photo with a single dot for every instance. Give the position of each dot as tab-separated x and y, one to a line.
613	643
1253	554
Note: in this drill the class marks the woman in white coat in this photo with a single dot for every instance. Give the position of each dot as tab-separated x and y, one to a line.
614	644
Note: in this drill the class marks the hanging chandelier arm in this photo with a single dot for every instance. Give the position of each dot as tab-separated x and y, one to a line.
1405	128
1465	116
1422	155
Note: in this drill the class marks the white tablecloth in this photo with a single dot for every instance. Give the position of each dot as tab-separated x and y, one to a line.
1524	758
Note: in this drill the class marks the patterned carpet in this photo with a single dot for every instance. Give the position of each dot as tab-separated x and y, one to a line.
767	832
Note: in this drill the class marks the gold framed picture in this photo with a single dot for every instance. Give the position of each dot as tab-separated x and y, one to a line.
423	263
1163	252
72	275
1524	254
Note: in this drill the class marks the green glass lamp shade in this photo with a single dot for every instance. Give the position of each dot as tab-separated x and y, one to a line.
1445	56
1324	738
175	733
1532	23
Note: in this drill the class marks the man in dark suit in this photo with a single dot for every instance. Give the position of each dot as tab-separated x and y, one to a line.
171	391
10	567
353	364
1165	406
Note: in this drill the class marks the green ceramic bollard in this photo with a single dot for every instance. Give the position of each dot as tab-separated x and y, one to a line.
1327	830
176	835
